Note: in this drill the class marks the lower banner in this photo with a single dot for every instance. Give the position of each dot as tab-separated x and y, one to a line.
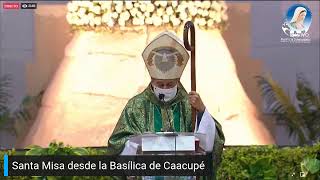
146	165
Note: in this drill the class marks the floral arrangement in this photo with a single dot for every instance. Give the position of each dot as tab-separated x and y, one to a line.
131	14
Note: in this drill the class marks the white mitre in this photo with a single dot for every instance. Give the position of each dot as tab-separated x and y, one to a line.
165	56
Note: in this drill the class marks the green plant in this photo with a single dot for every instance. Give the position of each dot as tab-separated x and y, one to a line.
298	119
4	92
264	162
56	149
4	99
24	116
311	167
261	169
26	112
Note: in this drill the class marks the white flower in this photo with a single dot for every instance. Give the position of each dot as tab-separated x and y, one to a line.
81	3
181	8
72	7
81	12
205	13
121	22
193	11
174	3
163	3
139	14
160	11
212	14
106	17
176	22
199	11
97	21
169	10
78	22
118	8
133	11
91	23
165	18
172	18
85	3
129	4
206	4
106	5
136	4
157	21
218	18
91	16
210	22
141	21
157	3
90	5
110	23
196	21
96	9
118	3
143	7
215	5
69	18
85	19
135	21
198	3
202	21
148	20
190	4
184	3
146	14
115	15
126	15
77	3
121	16
150	7
81	22
183	16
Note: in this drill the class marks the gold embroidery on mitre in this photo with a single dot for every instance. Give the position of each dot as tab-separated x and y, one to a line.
165	58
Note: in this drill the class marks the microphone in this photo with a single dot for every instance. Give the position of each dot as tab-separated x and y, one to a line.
161	97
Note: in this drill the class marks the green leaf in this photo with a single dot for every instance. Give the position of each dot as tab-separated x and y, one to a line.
311	165
33	146
80	151
36	152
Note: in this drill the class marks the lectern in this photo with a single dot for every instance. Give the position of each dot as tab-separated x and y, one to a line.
170	143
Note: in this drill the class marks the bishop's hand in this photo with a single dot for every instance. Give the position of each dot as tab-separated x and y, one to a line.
196	102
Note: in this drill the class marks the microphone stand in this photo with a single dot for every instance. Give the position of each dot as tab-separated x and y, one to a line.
171	129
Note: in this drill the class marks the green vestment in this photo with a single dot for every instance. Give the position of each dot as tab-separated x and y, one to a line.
145	113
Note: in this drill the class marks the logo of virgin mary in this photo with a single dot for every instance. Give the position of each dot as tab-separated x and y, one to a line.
297	21
165	58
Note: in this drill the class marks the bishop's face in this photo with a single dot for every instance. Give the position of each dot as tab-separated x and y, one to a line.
164	83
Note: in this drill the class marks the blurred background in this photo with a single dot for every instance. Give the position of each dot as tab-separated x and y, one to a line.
70	85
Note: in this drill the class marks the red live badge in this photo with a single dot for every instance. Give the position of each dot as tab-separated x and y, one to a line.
11	5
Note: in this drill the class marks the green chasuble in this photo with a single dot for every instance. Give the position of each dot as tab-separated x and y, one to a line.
146	113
